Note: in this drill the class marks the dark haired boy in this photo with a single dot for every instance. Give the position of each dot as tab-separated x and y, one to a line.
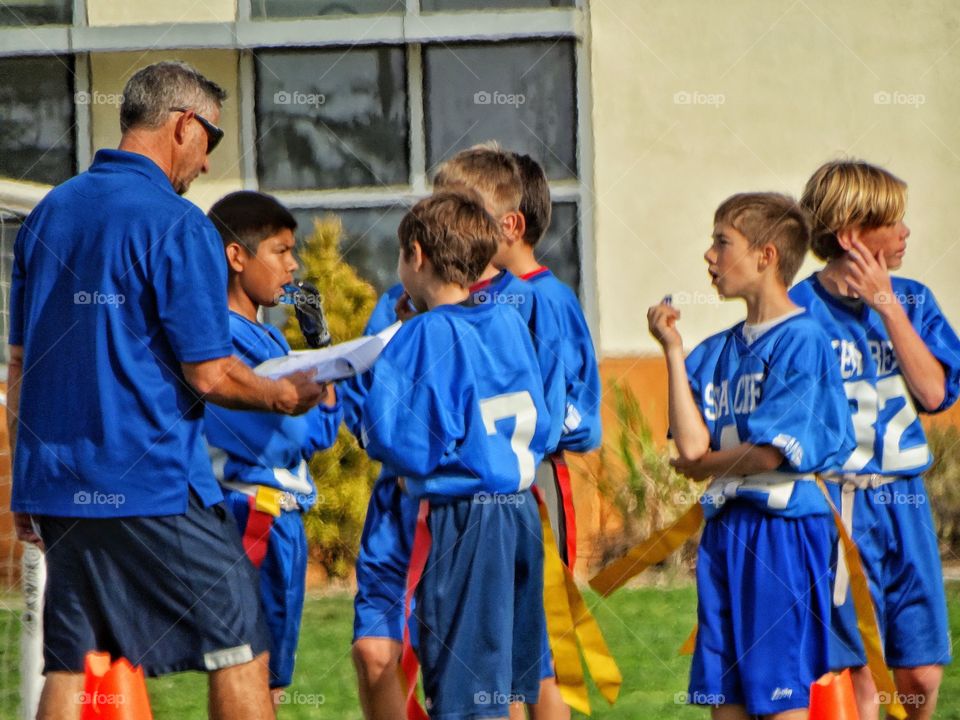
261	459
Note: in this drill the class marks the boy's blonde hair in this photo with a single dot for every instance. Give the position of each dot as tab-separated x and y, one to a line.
769	218
455	233
845	194
489	170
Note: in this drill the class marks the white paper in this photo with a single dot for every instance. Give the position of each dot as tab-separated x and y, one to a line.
331	363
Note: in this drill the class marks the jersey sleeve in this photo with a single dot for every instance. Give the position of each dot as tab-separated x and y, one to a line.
409	423
544	331
942	341
323	422
582	430
189	278
803	410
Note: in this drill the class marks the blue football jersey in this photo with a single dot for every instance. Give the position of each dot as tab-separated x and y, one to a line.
260	446
455	403
782	390
890	436
384	314
581	425
507	289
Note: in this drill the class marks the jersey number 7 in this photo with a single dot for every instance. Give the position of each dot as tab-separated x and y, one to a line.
518	405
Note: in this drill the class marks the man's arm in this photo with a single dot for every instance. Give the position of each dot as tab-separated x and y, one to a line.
230	382
21	521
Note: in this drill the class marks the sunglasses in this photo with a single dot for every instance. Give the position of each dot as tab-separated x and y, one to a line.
214	134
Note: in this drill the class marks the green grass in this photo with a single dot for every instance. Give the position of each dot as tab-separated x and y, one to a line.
644	628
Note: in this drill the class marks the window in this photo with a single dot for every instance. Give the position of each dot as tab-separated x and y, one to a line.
36	119
312	8
332	118
336	132
520	93
36	12
431	5
9	227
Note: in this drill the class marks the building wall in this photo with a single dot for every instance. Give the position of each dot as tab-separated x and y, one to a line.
109	73
112	12
694	101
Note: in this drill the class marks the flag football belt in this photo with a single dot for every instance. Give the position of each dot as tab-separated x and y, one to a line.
859	482
270	500
662	543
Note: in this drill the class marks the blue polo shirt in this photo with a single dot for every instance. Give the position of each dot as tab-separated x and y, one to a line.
116	281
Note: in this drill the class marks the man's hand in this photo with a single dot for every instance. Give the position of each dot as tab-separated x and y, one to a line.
869	278
298	392
23	524
662	321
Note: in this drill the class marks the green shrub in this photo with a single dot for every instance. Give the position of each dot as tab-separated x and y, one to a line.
344	474
943	486
635	478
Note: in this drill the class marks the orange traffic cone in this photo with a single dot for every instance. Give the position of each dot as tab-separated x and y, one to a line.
114	691
832	698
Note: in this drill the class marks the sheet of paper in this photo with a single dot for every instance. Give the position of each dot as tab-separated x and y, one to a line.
331	363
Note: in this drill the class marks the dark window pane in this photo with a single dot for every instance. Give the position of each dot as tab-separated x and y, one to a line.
36	119
46	12
369	241
430	5
9	227
521	94
559	249
313	8
332	118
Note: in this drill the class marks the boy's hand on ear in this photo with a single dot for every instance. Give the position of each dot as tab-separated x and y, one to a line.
662	321
869	278
404	308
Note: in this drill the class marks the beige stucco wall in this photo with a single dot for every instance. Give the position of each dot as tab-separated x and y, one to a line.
120	12
110	72
693	101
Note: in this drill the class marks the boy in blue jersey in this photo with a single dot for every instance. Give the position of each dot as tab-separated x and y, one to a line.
388	529
759	408
455	409
898	356
261	458
581	426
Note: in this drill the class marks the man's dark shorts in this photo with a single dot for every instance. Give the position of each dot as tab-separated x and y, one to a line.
170	593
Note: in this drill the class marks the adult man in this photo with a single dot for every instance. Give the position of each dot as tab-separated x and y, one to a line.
119	332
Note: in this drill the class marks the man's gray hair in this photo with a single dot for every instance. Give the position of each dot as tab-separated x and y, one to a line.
153	90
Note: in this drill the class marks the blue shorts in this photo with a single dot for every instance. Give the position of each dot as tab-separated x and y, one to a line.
894	531
763	594
170	593
480	607
283	575
383	561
